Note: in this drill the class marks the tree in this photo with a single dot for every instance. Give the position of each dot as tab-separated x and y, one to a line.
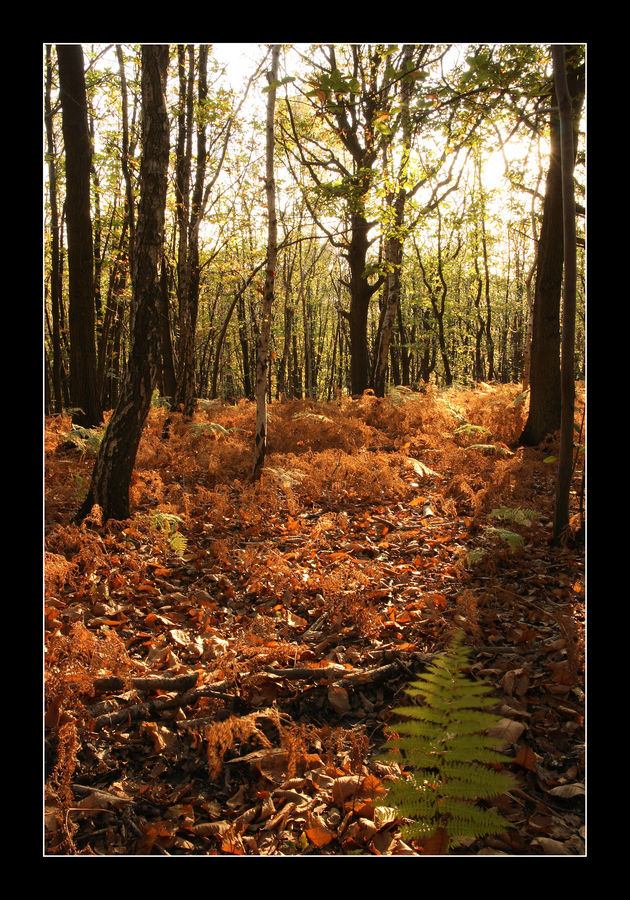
395	240
567	157
264	327
545	398
350	96
78	147
191	206
111	476
55	255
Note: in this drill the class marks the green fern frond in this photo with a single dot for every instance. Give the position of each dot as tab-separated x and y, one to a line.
452	764
473	557
165	522
511	537
85	439
468	428
158	401
199	428
178	543
497	449
515	514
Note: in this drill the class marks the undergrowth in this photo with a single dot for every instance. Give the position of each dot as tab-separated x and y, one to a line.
330	469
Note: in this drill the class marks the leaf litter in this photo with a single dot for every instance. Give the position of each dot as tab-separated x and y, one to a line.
220	667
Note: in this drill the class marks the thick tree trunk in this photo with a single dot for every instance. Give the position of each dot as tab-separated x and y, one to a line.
264	327
111	477
545	403
360	295
83	386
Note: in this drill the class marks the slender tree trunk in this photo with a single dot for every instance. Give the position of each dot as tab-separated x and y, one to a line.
394	254
125	154
55	259
264	328
190	219
169	380
117	280
565	457
237	299
111	477
394	249
83	387
185	373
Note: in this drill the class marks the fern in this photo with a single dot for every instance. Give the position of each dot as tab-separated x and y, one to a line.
511	537
178	543
515	514
88	440
398	394
167	523
199	428
451	759
497	449
158	401
472	429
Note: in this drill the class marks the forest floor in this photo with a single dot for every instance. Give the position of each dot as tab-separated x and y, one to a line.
220	668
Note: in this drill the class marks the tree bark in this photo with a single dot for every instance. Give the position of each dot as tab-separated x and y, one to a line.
565	456
264	327
545	406
83	387
169	380
111	477
55	258
394	249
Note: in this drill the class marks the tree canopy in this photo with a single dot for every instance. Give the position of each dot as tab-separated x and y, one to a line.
377	148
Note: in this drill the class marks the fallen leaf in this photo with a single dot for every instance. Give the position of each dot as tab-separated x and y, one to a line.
437	844
508	731
526	758
320	836
339	699
567	791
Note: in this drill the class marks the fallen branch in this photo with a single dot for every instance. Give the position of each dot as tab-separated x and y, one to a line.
140	711
352	678
146	683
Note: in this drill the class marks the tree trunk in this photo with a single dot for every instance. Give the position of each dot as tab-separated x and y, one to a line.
83	387
360	295
264	327
125	155
394	253
565	456
394	247
55	258
185	374
545	404
169	380
111	477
